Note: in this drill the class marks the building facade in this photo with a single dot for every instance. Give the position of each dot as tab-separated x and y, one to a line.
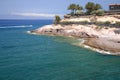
114	7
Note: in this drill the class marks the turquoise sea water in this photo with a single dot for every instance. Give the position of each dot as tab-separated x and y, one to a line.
33	57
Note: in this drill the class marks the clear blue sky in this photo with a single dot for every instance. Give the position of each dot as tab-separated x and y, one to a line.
42	9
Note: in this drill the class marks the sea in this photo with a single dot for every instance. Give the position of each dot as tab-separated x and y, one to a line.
26	56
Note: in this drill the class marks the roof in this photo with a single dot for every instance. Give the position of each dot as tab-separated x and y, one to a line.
114	4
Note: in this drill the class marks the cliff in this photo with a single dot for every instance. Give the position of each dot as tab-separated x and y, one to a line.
100	38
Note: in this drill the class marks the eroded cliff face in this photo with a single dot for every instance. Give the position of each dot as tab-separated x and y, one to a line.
80	31
74	30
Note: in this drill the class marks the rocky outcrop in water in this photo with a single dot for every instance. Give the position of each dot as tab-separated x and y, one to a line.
103	39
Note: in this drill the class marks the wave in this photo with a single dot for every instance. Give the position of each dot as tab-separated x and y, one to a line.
81	43
29	32
100	51
21	26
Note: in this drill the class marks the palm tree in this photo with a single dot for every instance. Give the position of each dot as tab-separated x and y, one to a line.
72	7
97	10
90	7
97	7
78	9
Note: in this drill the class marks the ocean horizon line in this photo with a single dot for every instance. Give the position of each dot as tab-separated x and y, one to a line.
26	19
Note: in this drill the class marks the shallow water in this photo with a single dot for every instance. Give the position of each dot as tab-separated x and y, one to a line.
33	57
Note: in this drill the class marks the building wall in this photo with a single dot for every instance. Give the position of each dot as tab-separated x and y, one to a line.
114	7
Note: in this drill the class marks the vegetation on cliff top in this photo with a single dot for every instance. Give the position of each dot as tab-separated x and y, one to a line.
90	9
75	9
57	19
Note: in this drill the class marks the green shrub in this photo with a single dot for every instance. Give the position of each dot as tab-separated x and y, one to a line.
117	24
78	13
84	22
97	12
107	23
99	23
93	12
72	22
57	19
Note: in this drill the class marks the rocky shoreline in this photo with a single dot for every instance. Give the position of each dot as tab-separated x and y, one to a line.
104	44
99	39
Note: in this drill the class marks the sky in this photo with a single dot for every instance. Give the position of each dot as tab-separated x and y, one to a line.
42	9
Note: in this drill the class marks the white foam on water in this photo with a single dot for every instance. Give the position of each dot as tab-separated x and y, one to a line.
81	41
21	26
97	50
29	32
